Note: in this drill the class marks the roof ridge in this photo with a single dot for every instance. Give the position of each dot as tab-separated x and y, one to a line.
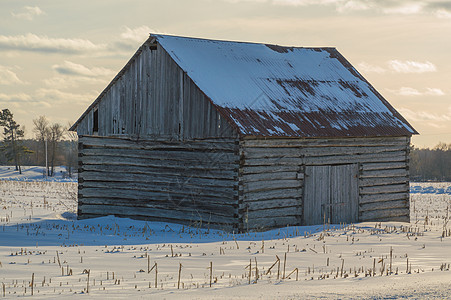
156	35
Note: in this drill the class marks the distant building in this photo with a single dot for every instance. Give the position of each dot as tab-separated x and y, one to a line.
242	136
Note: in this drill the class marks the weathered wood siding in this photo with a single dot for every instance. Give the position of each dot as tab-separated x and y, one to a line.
270	184
153	97
331	194
189	182
272	177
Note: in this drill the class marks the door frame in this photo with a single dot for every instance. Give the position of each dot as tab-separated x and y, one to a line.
354	189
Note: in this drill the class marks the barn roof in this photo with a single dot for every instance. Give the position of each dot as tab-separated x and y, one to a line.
275	91
269	90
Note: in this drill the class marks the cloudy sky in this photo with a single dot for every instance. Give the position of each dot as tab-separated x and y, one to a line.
57	56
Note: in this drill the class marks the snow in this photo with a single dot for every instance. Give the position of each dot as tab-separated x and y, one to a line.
35	173
252	69
259	77
38	220
427	188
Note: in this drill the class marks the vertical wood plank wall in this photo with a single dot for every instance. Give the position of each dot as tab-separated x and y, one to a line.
183	182
272	174
331	194
155	98
344	187
317	185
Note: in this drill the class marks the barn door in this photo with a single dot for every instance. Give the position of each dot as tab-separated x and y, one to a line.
331	194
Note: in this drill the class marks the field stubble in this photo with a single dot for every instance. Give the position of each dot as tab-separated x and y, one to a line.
45	252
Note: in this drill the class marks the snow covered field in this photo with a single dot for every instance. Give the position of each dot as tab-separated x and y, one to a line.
46	252
35	173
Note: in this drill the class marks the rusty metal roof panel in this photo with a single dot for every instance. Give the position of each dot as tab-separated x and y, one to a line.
313	124
269	90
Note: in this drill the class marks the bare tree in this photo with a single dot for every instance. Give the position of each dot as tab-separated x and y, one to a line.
56	132
42	131
71	150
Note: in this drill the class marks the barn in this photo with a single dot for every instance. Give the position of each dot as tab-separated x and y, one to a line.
242	136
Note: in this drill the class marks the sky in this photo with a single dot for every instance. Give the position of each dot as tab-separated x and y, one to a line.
57	56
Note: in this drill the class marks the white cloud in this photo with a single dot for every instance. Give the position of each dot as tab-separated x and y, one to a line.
28	13
21	100
434	92
20	97
256	1
57	96
132	38
368	68
70	68
63	82
408	66
408	91
36	43
354	5
422	116
398	66
405	9
71	75
307	2
443	14
358	4
8	77
398	7
45	97
138	34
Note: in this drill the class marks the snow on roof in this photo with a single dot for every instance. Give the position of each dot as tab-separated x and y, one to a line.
269	90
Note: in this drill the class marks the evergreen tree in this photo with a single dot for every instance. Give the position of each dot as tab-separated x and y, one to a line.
12	146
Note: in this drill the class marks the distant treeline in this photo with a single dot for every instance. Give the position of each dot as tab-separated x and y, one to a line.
65	155
58	146
431	164
52	145
425	164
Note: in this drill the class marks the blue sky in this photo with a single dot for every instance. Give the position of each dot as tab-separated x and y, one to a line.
57	56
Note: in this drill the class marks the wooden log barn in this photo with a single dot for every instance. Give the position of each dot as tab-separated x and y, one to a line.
242	136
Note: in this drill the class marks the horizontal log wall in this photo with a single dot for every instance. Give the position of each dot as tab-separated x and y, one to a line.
189	182
271	176
270	184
